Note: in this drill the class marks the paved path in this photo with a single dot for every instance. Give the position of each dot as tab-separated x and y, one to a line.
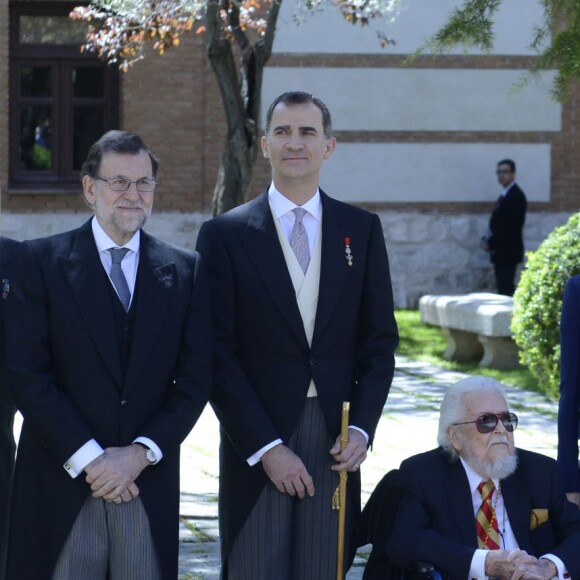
408	426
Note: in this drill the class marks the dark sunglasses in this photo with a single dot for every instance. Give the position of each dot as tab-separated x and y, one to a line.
488	422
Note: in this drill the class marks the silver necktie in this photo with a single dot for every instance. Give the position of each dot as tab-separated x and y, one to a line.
299	239
118	278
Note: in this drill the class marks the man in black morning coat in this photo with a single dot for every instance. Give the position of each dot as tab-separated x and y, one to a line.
109	362
303	320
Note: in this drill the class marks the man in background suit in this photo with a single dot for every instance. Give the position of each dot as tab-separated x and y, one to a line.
303	320
477	507
504	241
8	249
109	361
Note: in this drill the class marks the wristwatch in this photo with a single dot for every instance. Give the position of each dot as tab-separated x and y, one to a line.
149	453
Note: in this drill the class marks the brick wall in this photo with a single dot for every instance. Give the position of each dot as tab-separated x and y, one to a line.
174	102
165	99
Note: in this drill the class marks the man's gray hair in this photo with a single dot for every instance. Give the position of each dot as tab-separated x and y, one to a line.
452	408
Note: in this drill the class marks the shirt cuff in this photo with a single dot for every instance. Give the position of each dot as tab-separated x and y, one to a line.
562	572
477	570
258	455
152	445
80	459
361	431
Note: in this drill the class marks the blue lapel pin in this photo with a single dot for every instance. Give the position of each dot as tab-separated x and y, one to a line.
5	288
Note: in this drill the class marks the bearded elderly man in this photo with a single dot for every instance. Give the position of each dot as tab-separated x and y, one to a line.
478	507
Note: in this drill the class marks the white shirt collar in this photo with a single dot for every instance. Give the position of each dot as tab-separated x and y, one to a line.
104	242
504	192
281	205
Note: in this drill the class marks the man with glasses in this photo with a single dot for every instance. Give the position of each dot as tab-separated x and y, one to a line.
479	507
504	241
109	362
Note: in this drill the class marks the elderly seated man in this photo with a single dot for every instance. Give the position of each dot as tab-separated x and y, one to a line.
479	507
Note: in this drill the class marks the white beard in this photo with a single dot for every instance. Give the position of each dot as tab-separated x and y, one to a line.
493	469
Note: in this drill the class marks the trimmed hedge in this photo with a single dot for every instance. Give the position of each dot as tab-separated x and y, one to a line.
538	302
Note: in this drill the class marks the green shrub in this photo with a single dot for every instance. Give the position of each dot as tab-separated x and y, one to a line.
538	302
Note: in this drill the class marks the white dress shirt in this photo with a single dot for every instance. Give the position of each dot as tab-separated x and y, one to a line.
91	449
507	539
130	261
282	210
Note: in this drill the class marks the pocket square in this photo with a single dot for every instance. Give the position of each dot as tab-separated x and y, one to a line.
538	517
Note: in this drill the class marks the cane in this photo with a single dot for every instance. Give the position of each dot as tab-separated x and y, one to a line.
339	497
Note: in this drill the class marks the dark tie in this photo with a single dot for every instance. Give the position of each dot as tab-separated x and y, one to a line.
299	239
118	278
485	519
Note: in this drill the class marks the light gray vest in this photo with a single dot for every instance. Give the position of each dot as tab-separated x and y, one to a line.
305	285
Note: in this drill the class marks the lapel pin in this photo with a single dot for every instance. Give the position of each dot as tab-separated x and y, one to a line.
347	250
5	288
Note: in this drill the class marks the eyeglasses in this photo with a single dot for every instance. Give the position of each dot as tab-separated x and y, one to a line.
503	171
488	422
119	184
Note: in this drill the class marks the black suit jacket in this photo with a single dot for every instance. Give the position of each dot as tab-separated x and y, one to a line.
436	521
506	225
67	379
569	409
8	250
263	363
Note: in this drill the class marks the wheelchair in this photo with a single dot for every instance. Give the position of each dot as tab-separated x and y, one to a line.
377	520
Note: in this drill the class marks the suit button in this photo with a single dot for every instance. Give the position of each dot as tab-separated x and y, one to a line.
311	362
123	403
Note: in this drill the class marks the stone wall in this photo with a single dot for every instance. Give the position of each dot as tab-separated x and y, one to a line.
433	253
430	253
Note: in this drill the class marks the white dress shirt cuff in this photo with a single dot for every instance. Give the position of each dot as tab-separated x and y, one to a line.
562	572
477	570
361	431
152	445
81	458
258	455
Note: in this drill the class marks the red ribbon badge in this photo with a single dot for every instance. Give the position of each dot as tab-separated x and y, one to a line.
347	250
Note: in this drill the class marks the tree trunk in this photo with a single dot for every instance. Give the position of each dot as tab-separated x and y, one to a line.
240	90
235	173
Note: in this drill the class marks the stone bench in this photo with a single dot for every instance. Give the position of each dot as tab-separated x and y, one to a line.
477	327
